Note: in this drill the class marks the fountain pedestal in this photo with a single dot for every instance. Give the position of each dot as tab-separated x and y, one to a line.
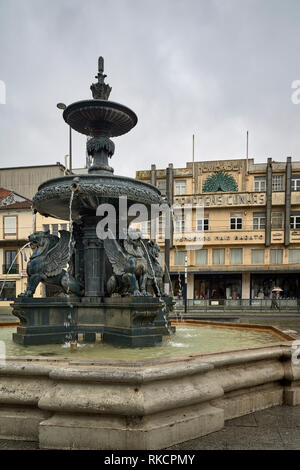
124	322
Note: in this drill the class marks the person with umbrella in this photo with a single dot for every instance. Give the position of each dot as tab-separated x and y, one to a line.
275	297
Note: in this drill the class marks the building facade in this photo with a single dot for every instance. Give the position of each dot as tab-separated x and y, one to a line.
17	187
25	180
249	227
17	222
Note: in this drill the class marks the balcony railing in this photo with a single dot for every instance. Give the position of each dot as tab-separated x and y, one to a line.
10	269
238	305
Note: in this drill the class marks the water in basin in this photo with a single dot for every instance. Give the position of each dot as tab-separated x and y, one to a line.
187	340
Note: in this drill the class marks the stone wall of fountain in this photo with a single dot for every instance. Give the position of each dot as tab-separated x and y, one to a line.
150	404
112	286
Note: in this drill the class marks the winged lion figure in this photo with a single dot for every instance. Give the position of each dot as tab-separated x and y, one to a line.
50	255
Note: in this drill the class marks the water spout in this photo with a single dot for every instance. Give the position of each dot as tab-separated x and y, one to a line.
164	305
70	339
75	184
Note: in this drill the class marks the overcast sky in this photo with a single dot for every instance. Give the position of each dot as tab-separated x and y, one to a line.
213	68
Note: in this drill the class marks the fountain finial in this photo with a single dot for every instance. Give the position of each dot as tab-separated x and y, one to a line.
100	90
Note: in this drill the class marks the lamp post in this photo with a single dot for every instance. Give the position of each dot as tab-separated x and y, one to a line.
63	106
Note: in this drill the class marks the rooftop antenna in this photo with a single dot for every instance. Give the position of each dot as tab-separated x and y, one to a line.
247	148
193	164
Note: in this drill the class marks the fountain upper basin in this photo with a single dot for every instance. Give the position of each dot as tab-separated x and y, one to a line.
53	196
94	117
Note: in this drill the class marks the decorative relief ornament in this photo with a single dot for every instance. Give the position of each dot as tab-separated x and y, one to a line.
220	181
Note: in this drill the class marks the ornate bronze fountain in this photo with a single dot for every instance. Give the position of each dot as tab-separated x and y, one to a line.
112	286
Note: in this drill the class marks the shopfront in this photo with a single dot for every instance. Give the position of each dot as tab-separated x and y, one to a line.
217	286
7	290
263	283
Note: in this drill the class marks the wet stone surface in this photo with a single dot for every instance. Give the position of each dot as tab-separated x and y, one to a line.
276	428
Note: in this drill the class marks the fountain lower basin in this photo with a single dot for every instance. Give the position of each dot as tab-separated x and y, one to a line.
192	337
143	403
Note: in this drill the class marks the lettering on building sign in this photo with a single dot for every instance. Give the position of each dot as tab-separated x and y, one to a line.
216	166
249	237
218	200
208	238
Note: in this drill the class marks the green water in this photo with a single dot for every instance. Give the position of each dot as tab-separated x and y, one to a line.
187	340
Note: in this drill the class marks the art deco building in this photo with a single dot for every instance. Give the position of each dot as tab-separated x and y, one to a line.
250	227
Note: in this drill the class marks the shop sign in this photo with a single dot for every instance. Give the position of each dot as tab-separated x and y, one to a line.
217	166
226	199
208	238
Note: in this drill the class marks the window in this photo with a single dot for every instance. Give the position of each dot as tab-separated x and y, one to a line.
55	229
258	256
259	220
179	257
276	256
180	188
218	256
179	224
161	258
276	220
201	257
162	186
295	221
161	225
46	227
203	224
259	183
277	183
296	183
294	256
236	221
63	226
10	266
10	225
8	290
236	256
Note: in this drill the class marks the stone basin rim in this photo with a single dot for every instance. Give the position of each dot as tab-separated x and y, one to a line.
108	188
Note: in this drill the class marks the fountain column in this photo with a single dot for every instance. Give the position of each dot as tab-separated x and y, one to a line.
79	253
93	258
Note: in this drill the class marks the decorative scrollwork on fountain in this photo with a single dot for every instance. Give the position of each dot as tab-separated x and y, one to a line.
100	90
50	256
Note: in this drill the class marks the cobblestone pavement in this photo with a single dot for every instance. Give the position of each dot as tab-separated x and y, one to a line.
276	428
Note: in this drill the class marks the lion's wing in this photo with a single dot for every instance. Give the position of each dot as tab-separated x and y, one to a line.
58	257
115	255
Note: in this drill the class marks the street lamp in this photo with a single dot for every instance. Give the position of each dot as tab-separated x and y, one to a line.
63	106
185	283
